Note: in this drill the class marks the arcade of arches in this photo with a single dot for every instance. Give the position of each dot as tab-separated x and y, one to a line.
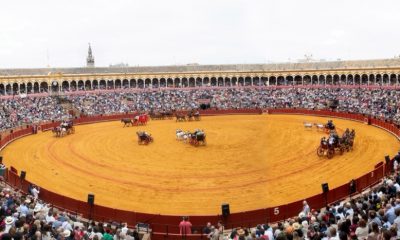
37	86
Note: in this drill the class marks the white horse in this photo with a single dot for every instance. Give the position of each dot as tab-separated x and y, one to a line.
181	135
307	125
319	126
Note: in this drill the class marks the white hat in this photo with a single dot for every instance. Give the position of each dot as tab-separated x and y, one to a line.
66	233
9	220
27	201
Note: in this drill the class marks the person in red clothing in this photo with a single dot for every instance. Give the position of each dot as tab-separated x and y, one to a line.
185	227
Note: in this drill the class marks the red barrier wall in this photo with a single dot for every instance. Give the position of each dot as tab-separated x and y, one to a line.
163	225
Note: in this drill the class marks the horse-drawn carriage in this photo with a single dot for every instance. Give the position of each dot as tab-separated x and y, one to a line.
144	138
65	128
138	120
333	144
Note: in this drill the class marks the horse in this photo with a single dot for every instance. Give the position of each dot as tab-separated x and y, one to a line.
307	125
180	117
319	126
196	116
56	131
144	138
127	121
181	135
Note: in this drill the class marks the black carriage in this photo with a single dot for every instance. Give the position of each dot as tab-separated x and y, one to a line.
144	138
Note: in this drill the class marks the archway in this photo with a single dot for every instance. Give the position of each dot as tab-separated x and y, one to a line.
213	81
350	79
393	79
206	81
22	88
314	80
307	80
29	87
247	81
140	83
132	83
2	89
321	80
372	79
81	85
280	80
272	81
234	81
15	88
364	79
125	84
185	82
147	83
170	82
55	86
36	87
227	82
118	84
163	83
298	80
385	79
177	82
343	79
95	85
8	89
192	82
155	83
256	81
199	82
329	80
102	84
44	87
264	81
65	86
336	79
378	79
88	85
357	79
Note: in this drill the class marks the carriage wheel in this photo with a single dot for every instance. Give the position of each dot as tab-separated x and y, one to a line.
330	153
320	151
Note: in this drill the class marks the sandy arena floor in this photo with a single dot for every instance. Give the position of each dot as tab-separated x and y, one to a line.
249	162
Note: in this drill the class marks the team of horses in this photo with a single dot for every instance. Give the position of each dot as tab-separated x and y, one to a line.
196	138
65	128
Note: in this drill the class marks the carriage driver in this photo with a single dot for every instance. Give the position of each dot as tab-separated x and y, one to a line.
333	138
330	125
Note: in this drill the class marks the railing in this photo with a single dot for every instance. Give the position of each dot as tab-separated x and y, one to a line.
164	225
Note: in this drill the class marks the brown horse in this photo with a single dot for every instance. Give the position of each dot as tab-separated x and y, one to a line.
180	117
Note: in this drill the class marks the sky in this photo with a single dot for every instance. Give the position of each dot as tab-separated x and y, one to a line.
48	33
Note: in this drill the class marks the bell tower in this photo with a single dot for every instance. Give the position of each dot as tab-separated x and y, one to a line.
90	58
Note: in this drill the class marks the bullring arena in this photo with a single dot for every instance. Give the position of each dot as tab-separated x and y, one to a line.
250	162
259	158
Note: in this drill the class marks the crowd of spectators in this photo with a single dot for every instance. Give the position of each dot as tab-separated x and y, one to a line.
26	217
381	103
